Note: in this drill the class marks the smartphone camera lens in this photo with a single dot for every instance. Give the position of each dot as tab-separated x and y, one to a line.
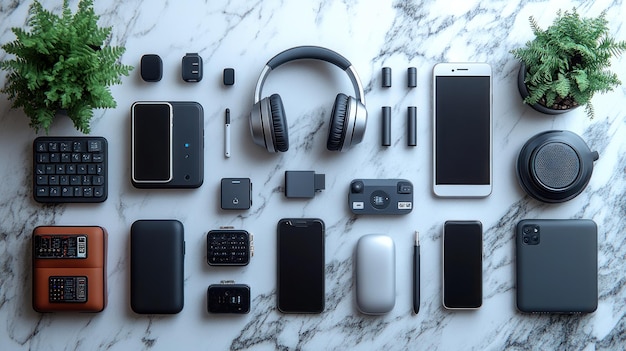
526	240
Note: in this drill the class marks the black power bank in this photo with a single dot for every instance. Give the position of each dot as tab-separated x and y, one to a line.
157	251
167	145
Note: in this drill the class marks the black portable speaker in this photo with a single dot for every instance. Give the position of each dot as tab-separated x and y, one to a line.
555	166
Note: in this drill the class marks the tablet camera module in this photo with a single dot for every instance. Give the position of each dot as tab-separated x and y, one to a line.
531	234
381	196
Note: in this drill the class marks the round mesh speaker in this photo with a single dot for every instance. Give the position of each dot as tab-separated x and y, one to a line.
556	165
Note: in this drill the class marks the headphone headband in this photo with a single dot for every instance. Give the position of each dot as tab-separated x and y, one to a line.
312	53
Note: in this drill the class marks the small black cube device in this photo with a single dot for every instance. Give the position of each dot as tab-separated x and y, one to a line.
381	196
151	68
229	76
303	184
167	142
236	194
70	169
228	297
229	247
192	67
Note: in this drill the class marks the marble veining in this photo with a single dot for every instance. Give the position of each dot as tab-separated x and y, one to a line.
371	34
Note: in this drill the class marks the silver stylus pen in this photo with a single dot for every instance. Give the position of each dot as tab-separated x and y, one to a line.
227	134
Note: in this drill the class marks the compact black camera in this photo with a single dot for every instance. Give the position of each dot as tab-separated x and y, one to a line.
531	234
381	196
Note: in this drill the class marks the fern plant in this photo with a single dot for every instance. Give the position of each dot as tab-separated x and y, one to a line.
567	63
63	63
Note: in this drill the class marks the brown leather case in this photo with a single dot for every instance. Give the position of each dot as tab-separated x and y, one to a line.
93	266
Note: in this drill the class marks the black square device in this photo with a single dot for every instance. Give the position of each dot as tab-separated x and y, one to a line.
151	68
236	194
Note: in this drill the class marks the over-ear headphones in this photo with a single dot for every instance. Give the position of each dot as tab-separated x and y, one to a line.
268	123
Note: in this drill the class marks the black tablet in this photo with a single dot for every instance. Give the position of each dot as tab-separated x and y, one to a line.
557	265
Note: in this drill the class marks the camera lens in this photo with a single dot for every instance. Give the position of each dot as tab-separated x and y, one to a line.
526	240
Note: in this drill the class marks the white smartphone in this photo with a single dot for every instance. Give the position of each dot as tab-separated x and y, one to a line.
462	130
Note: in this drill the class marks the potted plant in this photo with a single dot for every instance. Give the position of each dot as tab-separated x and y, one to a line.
566	64
62	64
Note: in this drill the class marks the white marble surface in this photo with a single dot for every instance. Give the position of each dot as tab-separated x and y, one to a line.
371	34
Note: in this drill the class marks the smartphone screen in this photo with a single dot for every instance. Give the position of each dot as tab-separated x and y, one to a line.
152	142
301	266
462	264
462	129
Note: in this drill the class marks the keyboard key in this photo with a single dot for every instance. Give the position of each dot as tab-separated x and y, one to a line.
42	191
41	146
65	146
42	180
74	180
76	157
43	158
97	158
53	147
78	146
91	169
94	146
55	191
67	191
53	180
65	157
87	191
85	180
50	169
81	169
59	169
64	180
78	191
55	157
70	169
40	169
98	180
98	191
86	157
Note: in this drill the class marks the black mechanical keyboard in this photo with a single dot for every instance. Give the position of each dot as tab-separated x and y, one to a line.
70	169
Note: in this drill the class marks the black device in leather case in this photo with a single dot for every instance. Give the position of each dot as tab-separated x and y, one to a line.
167	144
157	251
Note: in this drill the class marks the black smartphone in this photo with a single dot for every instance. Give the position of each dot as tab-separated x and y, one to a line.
157	252
151	156
167	144
462	130
301	265
462	264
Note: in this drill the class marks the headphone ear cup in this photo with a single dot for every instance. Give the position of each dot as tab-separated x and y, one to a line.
337	128
279	124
